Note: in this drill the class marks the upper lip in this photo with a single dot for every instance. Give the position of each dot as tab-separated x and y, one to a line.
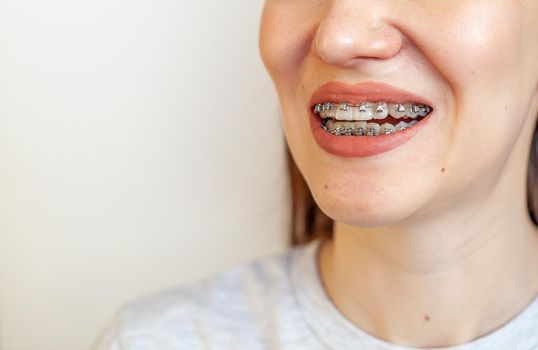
364	92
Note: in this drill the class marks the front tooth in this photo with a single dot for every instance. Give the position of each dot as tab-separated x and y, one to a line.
387	129
381	110
341	114
397	110
372	129
364	111
401	126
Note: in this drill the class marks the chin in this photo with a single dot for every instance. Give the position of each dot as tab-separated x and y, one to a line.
349	213
370	206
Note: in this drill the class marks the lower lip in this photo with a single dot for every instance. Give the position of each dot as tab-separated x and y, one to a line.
362	146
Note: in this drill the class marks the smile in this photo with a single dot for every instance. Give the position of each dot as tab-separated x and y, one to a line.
346	119
366	119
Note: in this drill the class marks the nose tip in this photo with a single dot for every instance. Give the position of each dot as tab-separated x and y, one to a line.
343	38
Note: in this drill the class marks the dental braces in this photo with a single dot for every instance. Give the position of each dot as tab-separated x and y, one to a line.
361	131
378	108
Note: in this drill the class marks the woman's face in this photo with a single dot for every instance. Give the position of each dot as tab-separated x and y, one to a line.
474	62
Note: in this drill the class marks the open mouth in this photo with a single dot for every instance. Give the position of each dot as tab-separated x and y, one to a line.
369	118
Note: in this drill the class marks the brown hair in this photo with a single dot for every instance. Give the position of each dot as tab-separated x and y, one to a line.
309	222
532	178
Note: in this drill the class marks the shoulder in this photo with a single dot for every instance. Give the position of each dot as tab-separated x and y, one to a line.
227	294
231	309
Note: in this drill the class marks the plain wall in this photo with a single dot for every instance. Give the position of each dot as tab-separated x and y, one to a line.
140	149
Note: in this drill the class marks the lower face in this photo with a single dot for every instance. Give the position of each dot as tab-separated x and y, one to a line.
466	67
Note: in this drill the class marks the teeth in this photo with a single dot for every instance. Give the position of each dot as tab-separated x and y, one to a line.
344	107
326	110
424	110
340	127
361	128
344	114
347	128
327	113
364	111
412	111
327	106
401	126
397	110
381	111
387	129
372	129
367	110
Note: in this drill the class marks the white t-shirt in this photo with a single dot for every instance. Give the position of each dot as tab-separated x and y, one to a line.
276	302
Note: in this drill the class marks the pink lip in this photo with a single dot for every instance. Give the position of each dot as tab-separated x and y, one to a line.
370	91
362	146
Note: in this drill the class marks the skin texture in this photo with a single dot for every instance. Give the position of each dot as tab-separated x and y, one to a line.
440	223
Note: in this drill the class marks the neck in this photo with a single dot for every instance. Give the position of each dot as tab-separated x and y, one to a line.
438	282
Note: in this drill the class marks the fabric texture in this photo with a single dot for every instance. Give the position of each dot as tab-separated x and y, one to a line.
276	302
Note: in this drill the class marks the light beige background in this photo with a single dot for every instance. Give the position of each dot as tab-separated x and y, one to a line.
140	148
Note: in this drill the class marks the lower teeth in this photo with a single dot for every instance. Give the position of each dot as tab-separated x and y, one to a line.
339	128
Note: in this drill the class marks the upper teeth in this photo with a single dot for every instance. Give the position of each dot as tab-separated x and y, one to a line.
370	110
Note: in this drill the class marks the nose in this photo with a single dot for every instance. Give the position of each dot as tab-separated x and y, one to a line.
350	30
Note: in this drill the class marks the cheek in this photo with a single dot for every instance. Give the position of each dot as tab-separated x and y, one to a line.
284	46
480	39
268	39
284	41
478	50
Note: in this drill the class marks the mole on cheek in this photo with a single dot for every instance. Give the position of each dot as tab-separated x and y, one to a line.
443	169
426	318
326	186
